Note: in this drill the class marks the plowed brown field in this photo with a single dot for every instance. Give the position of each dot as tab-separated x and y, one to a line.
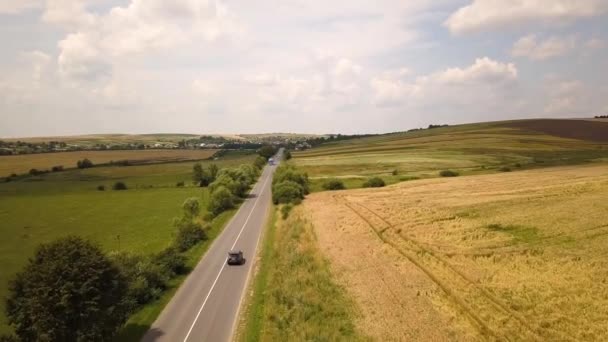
509	257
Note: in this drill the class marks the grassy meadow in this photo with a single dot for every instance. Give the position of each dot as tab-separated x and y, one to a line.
468	149
22	164
513	256
42	208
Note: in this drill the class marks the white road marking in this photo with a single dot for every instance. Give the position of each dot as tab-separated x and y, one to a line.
224	264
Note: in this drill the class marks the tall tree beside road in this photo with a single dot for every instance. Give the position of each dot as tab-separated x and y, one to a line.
69	291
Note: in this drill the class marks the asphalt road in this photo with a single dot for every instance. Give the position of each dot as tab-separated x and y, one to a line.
206	306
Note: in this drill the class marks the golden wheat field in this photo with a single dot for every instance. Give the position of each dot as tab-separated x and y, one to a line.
503	257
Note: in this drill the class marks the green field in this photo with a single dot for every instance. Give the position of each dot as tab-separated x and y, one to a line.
467	149
40	209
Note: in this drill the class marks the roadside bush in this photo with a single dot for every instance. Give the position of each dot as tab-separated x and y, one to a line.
334	184
146	280
260	162
221	200
172	261
101	188
448	173
285	210
505	169
287	192
188	235
179	184
84	164
374	182
119	186
287	172
287	155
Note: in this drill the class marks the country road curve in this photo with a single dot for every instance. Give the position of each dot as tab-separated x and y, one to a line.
206	306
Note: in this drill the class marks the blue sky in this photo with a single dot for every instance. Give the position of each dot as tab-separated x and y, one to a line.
203	66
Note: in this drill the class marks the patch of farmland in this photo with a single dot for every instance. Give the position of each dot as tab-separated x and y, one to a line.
468	149
21	164
515	256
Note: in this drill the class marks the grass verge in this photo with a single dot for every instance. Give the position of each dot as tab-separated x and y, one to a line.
294	296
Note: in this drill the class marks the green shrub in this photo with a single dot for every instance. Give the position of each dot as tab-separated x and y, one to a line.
333	184
287	172
84	164
260	162
57	168
101	187
395	172
188	235
285	210
179	184
448	173
221	200
374	182
172	261
504	169
287	192
119	186
146	279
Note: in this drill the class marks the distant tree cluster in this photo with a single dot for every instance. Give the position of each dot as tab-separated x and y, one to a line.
601	117
84	164
231	185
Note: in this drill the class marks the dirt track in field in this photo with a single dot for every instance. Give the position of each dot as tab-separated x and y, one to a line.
574	129
515	257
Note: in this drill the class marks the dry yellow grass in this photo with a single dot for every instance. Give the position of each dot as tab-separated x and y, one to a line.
20	164
517	256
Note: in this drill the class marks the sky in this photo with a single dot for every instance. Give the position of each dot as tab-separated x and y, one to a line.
251	66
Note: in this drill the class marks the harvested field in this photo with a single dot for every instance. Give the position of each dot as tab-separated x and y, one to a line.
20	164
516	256
595	130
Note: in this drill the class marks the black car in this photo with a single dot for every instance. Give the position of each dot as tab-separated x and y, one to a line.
235	258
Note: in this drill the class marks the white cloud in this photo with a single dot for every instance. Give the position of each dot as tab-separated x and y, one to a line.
565	97
18	6
143	26
484	79
595	44
530	47
68	13
483	15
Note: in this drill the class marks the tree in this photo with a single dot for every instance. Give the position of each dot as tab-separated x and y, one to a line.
84	164
204	177
191	207
260	162
267	151
197	173
119	186
287	155
334	184
374	182
287	192
69	291
221	200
